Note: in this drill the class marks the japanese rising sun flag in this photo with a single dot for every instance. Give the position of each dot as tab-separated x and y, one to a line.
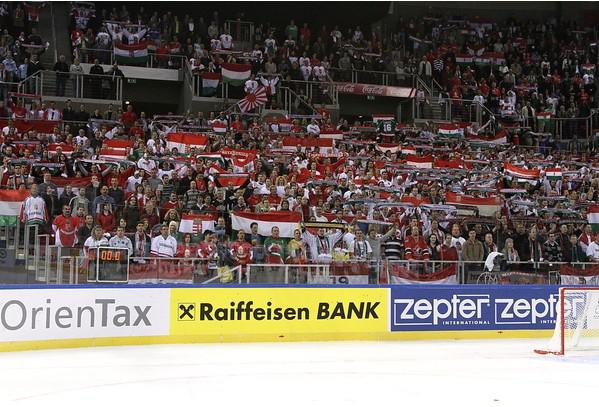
253	100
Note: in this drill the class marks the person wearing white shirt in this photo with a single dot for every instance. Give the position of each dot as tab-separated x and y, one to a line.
164	245
53	113
133	181
313	128
215	44
306	71
593	250
97	239
251	85
121	241
146	164
270	84
226	41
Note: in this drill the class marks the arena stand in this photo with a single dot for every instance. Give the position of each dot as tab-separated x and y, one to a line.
367	202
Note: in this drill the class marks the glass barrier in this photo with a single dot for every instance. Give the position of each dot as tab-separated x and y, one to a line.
154	60
108	87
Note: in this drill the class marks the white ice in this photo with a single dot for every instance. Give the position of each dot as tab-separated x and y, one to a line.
457	373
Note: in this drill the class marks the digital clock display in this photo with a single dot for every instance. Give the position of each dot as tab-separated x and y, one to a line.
109	265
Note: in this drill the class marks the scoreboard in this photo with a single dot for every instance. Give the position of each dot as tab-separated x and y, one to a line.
108	265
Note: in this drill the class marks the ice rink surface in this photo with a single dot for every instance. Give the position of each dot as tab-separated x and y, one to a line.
458	373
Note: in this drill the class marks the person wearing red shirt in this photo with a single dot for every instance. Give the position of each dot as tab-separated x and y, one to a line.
105	219
172	203
65	228
136	132
237	125
242	251
416	247
129	117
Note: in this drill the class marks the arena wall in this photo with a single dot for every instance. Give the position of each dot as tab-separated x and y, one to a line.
61	316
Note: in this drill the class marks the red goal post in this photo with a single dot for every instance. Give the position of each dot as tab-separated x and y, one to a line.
577	321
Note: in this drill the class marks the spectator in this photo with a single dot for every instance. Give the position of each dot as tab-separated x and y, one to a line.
62	69
164	245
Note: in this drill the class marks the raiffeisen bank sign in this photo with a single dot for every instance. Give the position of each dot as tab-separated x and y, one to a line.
91	313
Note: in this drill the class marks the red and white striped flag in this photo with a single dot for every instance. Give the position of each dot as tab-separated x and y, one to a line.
286	221
184	142
486	206
520	172
196	224
253	100
420	161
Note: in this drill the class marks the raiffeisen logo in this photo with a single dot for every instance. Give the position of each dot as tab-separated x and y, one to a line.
88	313
457	309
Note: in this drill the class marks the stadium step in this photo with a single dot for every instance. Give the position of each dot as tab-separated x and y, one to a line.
56	35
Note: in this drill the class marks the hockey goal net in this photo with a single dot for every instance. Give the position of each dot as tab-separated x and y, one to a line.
577	321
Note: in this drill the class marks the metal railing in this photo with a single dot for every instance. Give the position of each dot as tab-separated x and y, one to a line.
55	265
373	77
107	87
242	33
154	60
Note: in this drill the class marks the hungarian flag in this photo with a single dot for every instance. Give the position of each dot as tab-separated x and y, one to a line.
66	149
463	59
253	100
243	164
235	181
210	81
133	54
497	58
593	217
184	142
522	173
236	74
420	161
119	144
196	224
482	60
553	174
219	127
118	154
486	206
384	147
499	138
10	205
408	150
456	163
332	134
291	143
286	221
449	130
544	117
75	182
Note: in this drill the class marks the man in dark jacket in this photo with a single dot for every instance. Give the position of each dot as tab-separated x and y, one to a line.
575	254
62	73
96	81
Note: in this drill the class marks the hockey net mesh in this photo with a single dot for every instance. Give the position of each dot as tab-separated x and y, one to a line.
579	326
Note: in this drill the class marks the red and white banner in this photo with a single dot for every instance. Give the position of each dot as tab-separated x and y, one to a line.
425	161
291	143
404	274
486	206
231	180
332	134
196	224
375	90
286	221
253	100
184	142
520	172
